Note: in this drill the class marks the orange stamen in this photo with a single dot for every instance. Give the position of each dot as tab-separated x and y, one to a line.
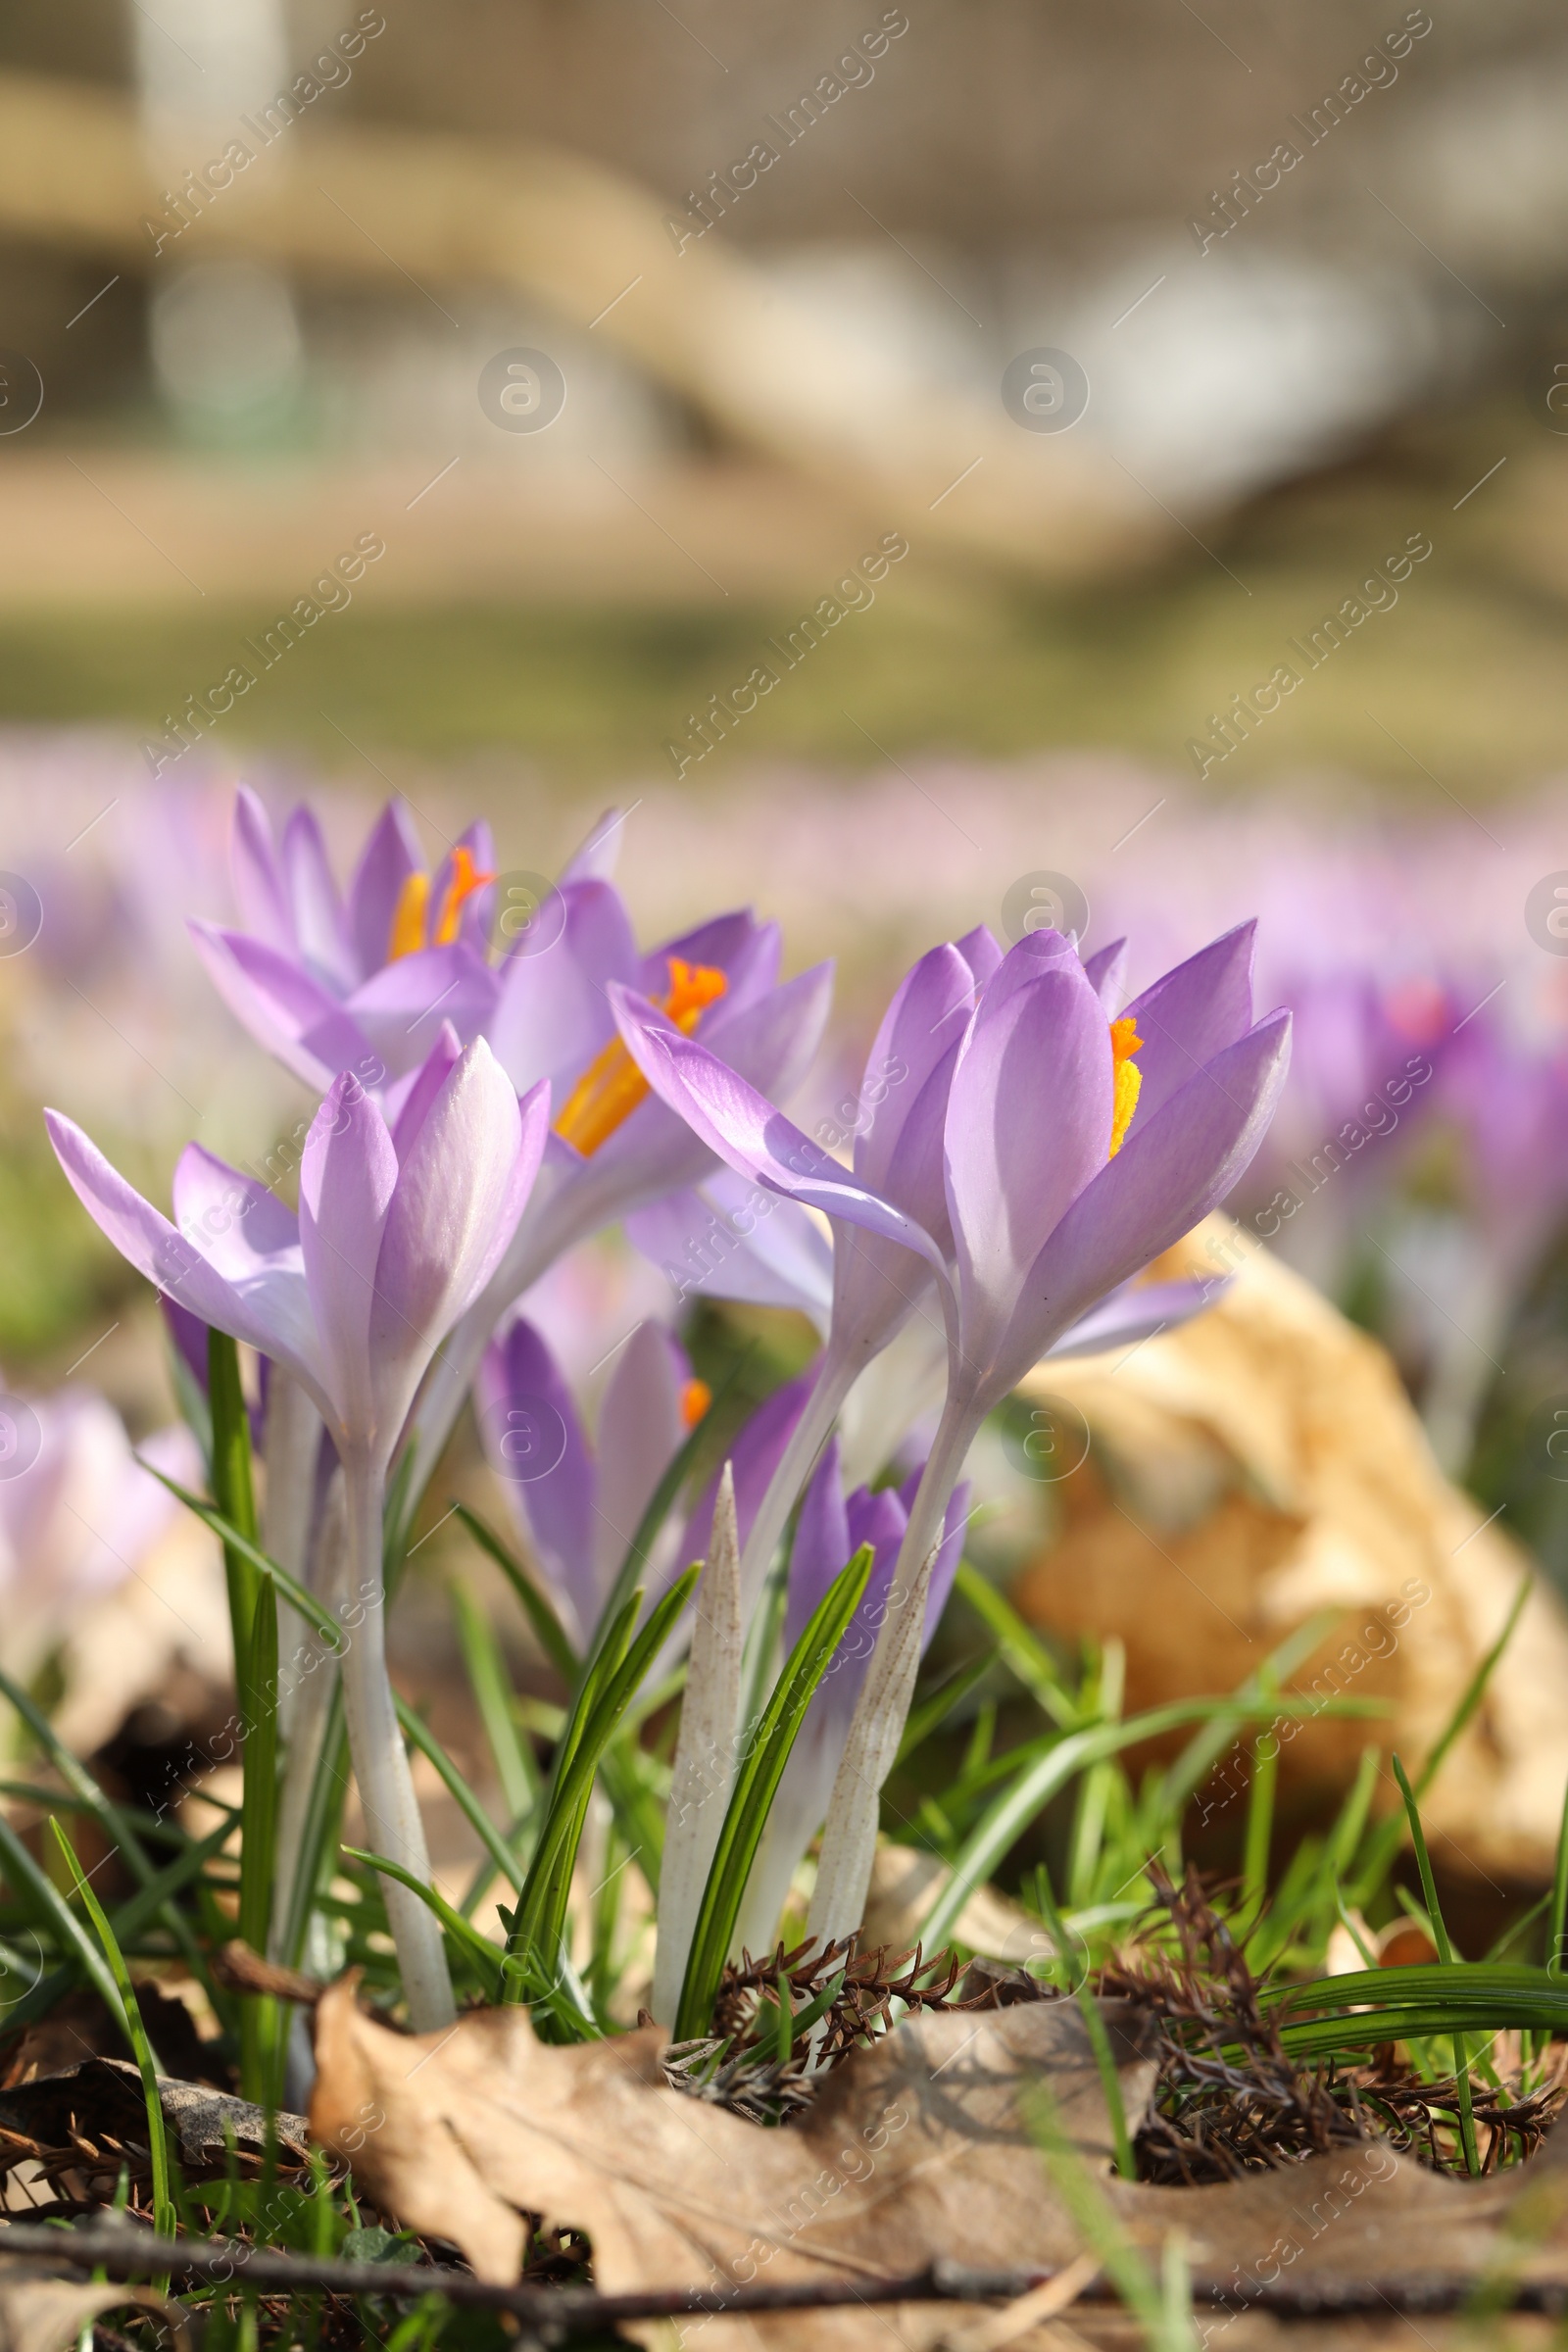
612	1086
1128	1079
466	880
695	1398
406	935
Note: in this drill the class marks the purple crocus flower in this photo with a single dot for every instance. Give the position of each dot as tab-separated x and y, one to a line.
1075	1148
329	980
624	1148
399	1227
828	1533
579	1501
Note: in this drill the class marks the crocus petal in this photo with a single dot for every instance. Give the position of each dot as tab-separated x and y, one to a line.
738	945
401	1008
720	1243
743	1129
595	858
347	1173
257	878
408	1100
551	1014
390	856
924	1021
1165	1177
524	1404
454	1209
1107	971
319	929
292	1015
271	1312
980	951
1028	1125
1190	1015
754	1457
1138	1311
237	1223
640	1429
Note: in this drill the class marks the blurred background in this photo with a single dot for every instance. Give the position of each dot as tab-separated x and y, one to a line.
1129	444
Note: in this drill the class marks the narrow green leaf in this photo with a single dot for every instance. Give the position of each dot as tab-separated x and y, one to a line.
50	1910
128	2016
233	1488
756	1783
112	1819
1094	2027
934	1710
491	1684
539	1921
328	1793
479	1820
130	1920
550	1633
1461	2054
289	1588
258	1834
1022	1649
1388	1837
464	1936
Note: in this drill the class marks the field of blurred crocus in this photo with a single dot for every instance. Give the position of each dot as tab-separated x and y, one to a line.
1265	1462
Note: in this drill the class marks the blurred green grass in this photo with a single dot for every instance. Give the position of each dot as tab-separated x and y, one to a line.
1466	672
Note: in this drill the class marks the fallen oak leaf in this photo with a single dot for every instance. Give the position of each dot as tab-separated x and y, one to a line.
916	2149
45	2313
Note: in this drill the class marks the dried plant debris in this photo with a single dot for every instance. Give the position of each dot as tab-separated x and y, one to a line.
911	2150
74	2131
1230	2101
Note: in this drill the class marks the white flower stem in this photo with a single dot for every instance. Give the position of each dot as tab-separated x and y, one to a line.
848	1838
704	1771
392	1823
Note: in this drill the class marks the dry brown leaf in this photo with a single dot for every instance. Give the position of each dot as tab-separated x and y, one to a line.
1263	1463
914	2149
43	2313
906	1883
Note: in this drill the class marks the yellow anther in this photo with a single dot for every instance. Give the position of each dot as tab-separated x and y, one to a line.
612	1086
406	935
1125	1042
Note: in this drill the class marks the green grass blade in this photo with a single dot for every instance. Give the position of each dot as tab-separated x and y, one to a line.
257	2014
933	1711
491	1684
318	1835
1020	1647
128	2016
1388	1837
1556	1956
31	1885
233	1537
463	1936
1461	2054
756	1785
131	1921
539	1921
1094	2027
479	1820
549	1632
234	1485
1032	1788
113	1820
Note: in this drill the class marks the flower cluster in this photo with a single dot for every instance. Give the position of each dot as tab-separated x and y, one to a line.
1028	1138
